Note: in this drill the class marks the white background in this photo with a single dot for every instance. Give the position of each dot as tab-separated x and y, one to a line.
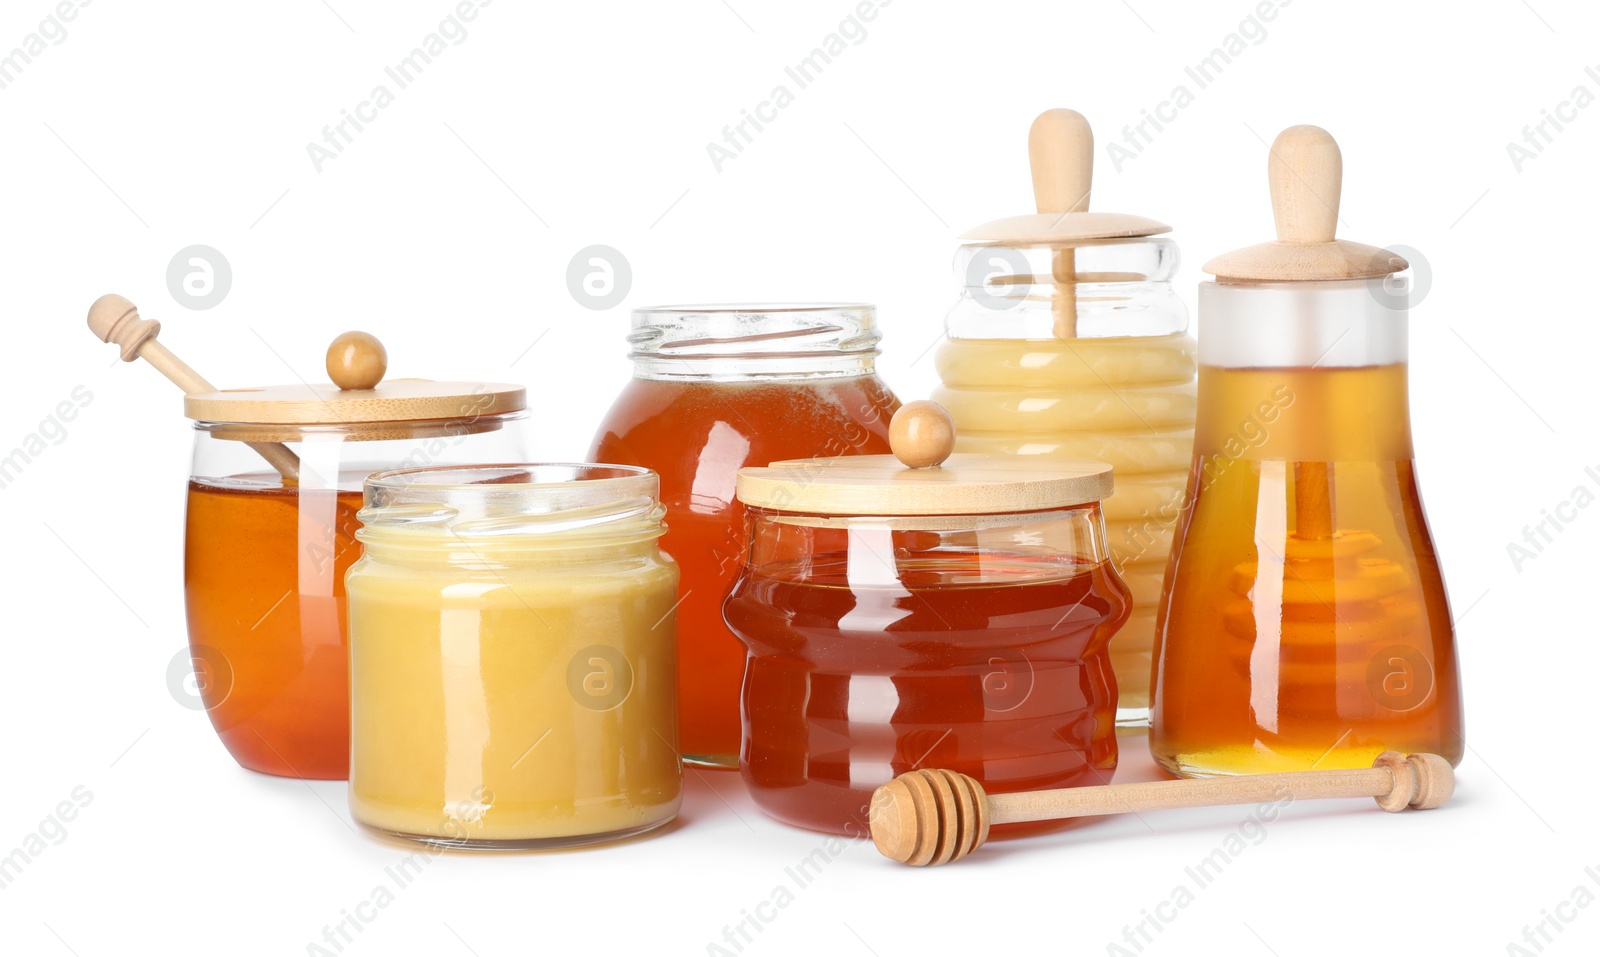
446	228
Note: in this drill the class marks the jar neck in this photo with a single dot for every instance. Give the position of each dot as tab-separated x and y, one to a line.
753	343
1104	289
414	548
1330	324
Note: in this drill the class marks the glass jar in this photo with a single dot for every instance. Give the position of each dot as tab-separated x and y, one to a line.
1087	360
954	617
265	555
717	388
1304	621
512	659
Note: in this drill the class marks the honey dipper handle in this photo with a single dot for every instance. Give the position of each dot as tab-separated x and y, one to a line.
1061	155
1395	780
1305	172
114	319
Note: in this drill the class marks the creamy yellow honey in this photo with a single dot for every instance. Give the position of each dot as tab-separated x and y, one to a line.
1127	400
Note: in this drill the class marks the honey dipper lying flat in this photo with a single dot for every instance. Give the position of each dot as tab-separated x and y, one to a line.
933	816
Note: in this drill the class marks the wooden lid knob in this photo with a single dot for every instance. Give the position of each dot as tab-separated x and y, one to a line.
929	816
114	319
1061	155
357	360
921	434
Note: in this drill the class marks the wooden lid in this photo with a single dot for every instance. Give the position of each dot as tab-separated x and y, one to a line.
950	485
1061	154
356	362
1305	171
323	403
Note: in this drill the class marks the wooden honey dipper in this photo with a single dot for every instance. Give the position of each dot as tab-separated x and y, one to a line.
116	320
933	816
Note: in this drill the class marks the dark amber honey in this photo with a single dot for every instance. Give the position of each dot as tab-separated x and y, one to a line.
992	665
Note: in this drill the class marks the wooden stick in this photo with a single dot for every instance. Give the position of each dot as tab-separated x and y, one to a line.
115	319
1314	520
1061	156
936	816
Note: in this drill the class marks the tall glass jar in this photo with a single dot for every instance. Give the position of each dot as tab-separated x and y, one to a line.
512	661
717	388
1304	621
1087	360
265	553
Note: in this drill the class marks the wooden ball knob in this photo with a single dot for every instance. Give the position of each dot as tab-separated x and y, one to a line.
921	434
357	360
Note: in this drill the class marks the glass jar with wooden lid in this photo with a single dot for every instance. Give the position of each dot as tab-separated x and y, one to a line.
923	609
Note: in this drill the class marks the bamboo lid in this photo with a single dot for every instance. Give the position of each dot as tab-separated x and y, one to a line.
1305	171
922	477
356	363
1061	154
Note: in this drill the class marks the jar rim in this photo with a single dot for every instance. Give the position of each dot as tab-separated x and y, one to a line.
751	308
489	502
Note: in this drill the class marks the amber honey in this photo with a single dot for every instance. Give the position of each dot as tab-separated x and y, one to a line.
697	435
1304	621
992	665
264	583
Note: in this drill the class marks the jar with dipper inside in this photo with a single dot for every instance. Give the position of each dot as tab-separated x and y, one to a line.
269	531
923	610
1303	622
717	388
1069	343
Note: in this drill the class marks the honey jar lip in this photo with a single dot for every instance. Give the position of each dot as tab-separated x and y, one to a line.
495	474
485	501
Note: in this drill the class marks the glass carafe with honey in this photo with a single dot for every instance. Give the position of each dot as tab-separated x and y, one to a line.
1303	620
1069	343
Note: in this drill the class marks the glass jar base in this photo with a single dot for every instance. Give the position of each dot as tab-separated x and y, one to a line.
1235	762
714	762
515	844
